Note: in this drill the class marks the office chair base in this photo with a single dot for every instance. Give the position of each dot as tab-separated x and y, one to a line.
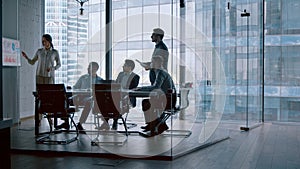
129	125
177	133
109	138
47	140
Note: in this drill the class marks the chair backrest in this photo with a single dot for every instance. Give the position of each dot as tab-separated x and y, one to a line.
171	99
184	98
110	100
52	98
107	81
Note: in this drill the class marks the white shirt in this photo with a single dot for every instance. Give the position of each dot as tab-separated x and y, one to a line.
46	59
125	80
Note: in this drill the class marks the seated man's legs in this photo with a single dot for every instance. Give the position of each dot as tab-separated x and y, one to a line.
152	111
115	124
86	110
115	119
130	104
149	113
104	125
81	100
65	124
88	103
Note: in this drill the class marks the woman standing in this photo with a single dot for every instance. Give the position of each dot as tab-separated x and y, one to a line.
48	61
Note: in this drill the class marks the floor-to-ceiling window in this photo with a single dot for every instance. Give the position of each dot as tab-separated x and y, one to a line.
282	30
56	25
222	59
234	40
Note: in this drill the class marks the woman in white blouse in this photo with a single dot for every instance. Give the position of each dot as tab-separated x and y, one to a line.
48	61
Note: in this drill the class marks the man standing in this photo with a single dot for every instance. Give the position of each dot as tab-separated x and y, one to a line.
160	49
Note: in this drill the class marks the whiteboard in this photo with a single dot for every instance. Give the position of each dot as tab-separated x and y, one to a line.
11	52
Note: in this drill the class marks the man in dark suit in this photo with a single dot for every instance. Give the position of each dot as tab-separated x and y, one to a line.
128	80
152	107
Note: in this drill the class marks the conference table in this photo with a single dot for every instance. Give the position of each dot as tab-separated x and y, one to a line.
72	92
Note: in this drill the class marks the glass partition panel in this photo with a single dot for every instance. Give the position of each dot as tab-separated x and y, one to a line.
234	30
217	75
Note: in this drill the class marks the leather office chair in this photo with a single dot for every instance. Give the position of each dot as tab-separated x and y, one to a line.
54	103
111	102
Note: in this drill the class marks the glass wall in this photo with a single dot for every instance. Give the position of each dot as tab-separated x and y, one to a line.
228	53
238	42
196	60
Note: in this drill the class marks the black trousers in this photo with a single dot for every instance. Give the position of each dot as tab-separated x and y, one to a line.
160	103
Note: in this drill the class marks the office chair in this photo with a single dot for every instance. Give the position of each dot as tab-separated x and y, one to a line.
111	102
172	109
54	103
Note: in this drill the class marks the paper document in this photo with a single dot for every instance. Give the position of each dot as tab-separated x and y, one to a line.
141	63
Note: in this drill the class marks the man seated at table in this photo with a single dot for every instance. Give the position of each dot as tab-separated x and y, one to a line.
128	80
84	82
154	106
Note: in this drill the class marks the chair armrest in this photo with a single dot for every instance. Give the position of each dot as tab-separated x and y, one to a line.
70	100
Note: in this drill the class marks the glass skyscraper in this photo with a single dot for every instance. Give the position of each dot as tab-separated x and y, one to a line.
69	33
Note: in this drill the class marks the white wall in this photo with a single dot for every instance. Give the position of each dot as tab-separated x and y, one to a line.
31	29
22	20
10	74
